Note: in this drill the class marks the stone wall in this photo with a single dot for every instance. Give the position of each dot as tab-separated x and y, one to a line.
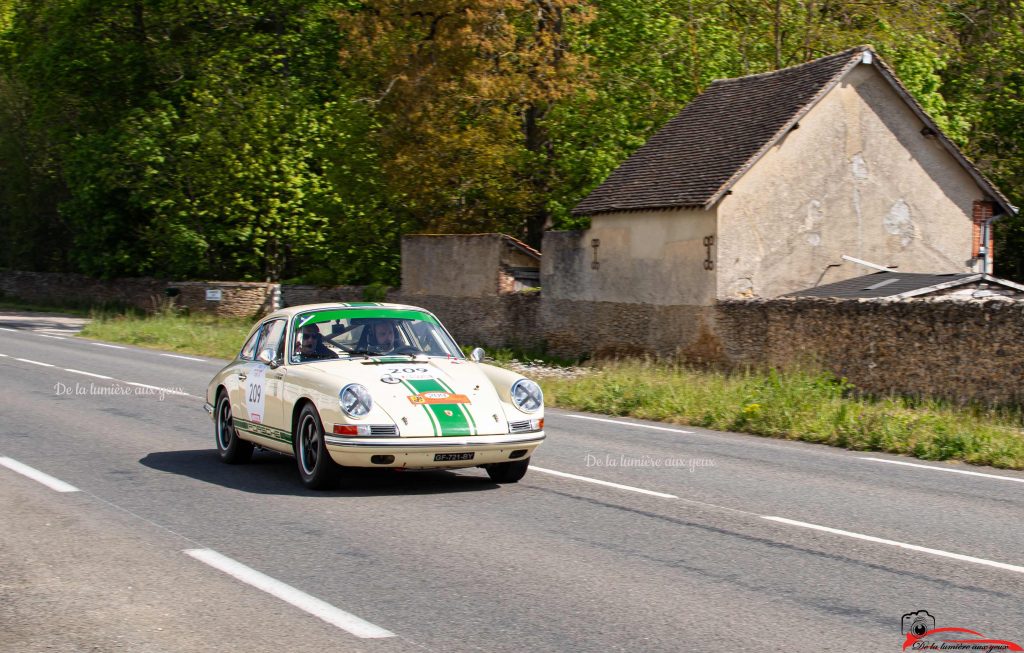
498	321
571	329
297	295
238	299
961	350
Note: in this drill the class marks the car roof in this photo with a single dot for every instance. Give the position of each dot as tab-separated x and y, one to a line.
291	311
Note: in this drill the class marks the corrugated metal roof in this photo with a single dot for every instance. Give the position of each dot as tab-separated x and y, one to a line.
894	284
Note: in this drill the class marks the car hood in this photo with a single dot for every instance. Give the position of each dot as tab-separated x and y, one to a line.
425	397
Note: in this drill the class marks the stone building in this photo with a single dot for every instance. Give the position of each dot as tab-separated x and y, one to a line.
757	189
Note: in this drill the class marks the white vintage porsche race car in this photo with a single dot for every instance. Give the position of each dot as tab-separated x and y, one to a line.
371	385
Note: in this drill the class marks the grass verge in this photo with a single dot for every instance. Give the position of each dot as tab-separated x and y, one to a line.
203	335
797	405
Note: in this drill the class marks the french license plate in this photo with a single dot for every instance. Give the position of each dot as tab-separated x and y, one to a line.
438	457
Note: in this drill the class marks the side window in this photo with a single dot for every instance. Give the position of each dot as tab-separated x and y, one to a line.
273	337
248	352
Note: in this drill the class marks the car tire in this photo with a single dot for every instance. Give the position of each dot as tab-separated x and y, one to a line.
316	468
509	472
232	449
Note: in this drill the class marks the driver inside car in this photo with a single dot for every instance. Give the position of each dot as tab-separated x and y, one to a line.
311	344
383	337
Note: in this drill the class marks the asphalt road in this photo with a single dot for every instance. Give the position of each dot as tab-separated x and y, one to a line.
624	536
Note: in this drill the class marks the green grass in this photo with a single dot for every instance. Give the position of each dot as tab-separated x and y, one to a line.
797	405
204	335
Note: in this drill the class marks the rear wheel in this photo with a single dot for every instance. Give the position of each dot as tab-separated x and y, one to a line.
509	472
316	468
232	449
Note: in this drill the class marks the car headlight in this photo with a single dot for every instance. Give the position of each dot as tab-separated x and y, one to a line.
355	400
527	396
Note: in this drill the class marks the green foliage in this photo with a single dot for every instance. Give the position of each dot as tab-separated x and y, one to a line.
797	405
268	140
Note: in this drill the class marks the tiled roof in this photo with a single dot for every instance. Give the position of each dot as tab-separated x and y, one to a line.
698	155
894	284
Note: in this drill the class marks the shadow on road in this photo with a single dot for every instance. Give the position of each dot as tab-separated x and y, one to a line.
271	473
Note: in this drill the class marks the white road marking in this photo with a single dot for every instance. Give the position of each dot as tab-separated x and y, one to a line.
945	469
103	344
25	360
43	335
98	376
184	358
600	482
156	388
36	475
623	423
314	606
6	329
902	545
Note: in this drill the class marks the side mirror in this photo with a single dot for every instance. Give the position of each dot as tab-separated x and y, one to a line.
477	355
268	357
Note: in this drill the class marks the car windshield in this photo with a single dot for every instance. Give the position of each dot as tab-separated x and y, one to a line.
351	333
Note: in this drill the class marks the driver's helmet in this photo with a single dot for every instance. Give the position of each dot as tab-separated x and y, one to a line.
378	339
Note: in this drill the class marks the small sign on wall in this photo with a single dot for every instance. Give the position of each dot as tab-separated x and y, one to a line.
214	294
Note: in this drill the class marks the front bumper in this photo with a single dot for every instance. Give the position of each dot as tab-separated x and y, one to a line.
418	453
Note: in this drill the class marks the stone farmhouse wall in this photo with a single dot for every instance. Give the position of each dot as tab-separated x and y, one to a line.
961	350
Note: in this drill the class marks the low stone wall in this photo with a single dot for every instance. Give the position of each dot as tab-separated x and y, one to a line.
297	295
237	299
495	322
959	350
573	329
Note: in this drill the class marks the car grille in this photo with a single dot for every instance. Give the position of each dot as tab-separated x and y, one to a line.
519	427
383	430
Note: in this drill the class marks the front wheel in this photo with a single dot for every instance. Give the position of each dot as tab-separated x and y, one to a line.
316	468
508	472
232	449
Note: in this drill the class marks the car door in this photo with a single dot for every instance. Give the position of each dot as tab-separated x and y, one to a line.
237	376
274	413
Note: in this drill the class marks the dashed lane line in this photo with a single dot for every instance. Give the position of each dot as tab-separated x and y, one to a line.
27	360
103	344
945	469
36	475
620	422
314	606
903	545
184	358
170	391
596	481
98	376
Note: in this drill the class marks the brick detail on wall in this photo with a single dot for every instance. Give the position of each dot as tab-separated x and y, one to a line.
981	213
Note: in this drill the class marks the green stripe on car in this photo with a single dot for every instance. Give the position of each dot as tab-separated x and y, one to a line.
451	419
